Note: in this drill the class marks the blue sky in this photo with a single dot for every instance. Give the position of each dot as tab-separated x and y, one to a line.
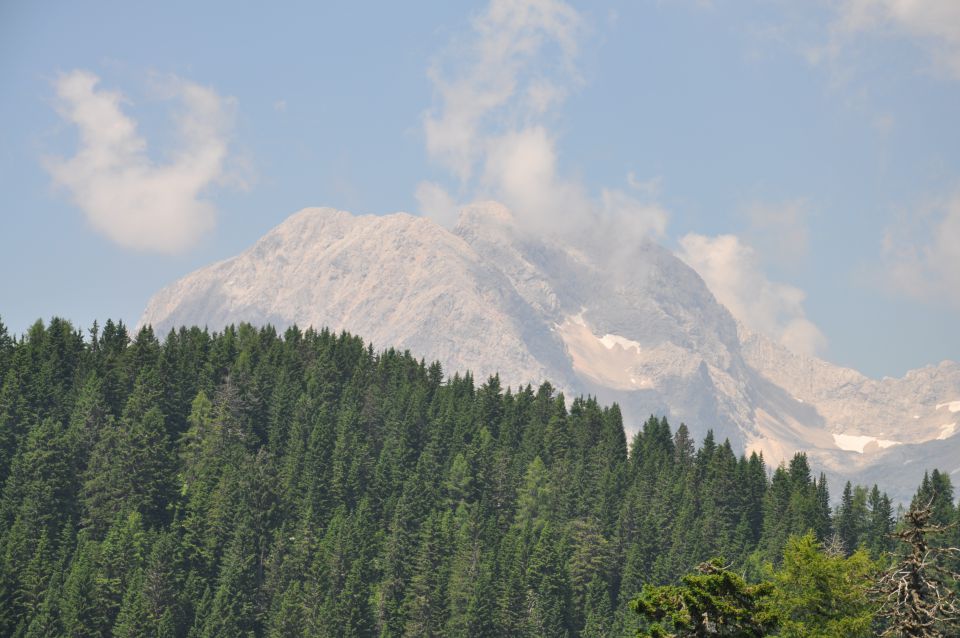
803	156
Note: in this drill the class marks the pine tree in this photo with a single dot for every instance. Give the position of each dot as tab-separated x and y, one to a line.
151	598
535	500
6	349
548	586
81	610
878	538
39	501
816	594
233	611
121	555
846	520
713	602
589	560
289	619
425	599
244	482
776	516
599	619
131	470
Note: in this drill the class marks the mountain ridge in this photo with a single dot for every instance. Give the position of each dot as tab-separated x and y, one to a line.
631	324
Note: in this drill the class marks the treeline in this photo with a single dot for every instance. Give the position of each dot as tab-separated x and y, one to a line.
252	483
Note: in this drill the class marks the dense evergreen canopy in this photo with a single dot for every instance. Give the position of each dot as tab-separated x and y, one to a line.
252	483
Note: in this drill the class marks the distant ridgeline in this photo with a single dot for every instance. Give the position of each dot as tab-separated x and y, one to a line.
252	483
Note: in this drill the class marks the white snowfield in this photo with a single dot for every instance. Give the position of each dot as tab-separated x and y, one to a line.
953	406
860	444
946	431
635	325
612	341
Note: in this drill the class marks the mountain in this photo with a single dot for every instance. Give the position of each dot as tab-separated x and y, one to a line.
624	321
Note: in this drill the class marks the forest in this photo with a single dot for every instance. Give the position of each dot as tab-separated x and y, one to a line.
252	482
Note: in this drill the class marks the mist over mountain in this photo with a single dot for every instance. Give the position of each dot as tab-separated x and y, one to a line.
624	321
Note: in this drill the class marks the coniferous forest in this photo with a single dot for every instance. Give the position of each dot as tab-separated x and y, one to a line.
252	483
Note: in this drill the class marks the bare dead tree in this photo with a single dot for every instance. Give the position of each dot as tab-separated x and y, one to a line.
915	596
834	547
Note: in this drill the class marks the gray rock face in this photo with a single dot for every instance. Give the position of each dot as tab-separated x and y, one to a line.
640	328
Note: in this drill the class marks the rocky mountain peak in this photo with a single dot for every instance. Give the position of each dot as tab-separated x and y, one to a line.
626	323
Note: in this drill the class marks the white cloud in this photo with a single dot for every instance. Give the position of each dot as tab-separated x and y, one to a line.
507	41
732	271
923	253
126	195
521	169
490	126
491	130
935	23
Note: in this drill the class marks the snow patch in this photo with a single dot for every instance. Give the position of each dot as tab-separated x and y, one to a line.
859	443
953	406
947	430
611	360
610	340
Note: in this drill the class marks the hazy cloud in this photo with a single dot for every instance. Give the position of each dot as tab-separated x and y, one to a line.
135	201
934	23
733	273
436	202
923	253
647	187
646	219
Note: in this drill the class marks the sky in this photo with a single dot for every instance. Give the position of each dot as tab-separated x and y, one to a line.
803	157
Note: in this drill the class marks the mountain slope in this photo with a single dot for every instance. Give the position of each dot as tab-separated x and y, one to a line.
887	430
399	280
636	326
490	299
